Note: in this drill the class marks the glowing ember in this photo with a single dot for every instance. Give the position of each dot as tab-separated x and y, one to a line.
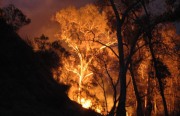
86	103
98	110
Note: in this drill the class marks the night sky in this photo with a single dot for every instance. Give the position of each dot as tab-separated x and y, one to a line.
40	13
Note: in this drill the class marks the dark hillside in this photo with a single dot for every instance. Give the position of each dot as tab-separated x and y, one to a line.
26	85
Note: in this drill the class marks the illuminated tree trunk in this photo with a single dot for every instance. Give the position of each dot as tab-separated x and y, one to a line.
155	105
105	97
81	70
82	74
79	90
80	77
148	107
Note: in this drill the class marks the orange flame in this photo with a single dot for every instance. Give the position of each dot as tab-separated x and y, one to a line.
86	103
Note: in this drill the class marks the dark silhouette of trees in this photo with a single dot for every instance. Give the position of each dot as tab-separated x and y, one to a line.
50	53
161	70
14	17
26	84
133	24
127	12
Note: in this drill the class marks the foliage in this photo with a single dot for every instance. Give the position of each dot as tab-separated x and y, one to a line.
14	17
163	71
90	30
131	17
50	53
86	33
27	85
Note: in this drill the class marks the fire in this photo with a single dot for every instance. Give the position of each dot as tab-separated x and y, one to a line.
98	110
86	103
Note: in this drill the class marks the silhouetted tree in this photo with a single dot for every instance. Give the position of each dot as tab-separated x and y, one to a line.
85	33
14	17
27	85
131	12
50	53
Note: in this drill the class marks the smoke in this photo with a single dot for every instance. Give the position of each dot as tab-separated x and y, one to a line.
40	13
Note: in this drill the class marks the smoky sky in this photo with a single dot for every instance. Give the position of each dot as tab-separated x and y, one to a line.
40	13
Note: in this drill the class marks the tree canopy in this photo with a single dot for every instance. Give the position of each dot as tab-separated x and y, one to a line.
14	17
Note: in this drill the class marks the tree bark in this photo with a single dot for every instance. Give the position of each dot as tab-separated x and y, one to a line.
157	75
139	110
148	107
122	75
